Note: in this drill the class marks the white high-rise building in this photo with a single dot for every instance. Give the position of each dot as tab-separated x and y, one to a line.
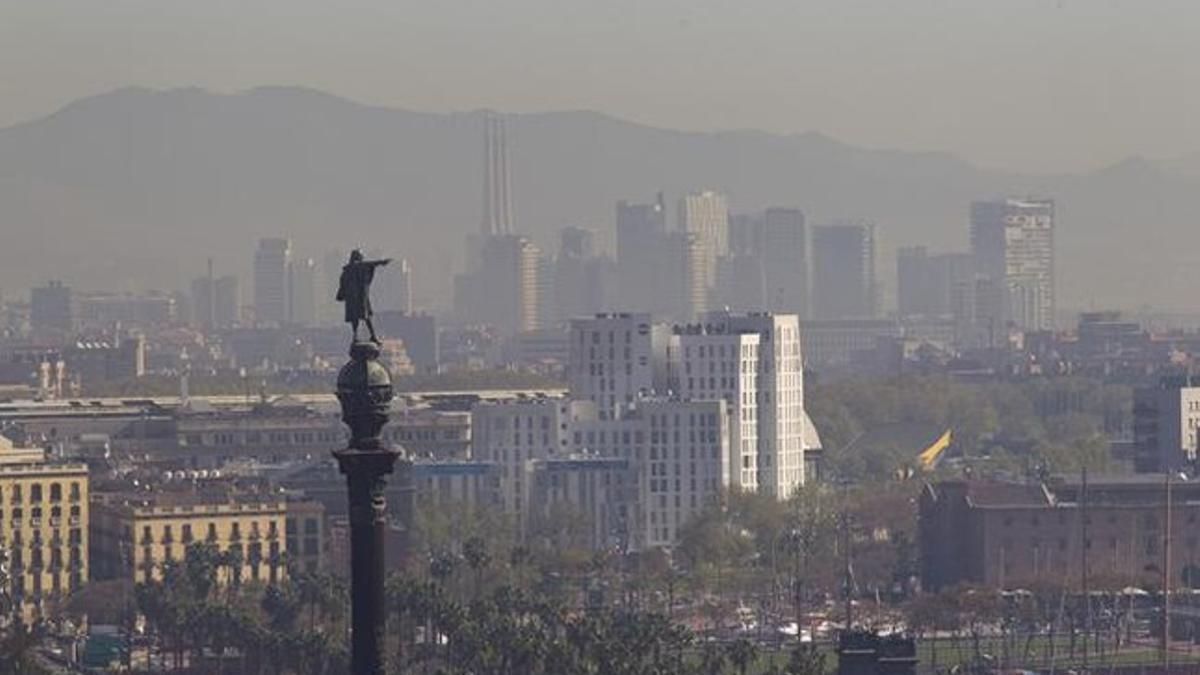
615	359
722	366
271	262
511	434
779	386
680	454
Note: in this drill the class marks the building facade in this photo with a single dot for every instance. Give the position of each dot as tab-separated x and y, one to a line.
52	307
1008	535
1012	241
44	542
134	536
844	279
706	215
1166	424
615	359
272	261
779	381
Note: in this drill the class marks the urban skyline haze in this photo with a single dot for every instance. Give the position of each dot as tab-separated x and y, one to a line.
1036	86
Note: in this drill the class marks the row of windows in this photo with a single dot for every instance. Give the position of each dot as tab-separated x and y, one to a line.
38	562
661	485
74	538
35	516
703	419
226	438
1148	521
186	535
428	434
501	422
596	335
16	493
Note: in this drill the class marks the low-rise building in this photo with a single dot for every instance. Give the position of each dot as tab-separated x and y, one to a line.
1166	424
430	433
306	533
1010	535
603	490
476	484
134	535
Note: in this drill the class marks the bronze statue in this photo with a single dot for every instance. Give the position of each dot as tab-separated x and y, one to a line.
354	289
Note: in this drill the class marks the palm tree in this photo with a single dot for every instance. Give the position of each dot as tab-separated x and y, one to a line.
401	593
18	646
805	660
475	552
742	653
712	658
282	607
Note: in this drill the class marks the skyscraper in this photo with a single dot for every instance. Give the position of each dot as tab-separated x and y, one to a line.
497	188
706	214
271	262
699	273
508	284
577	289
227	301
404	286
925	283
783	248
214	301
328	308
52	307
844	281
394	284
641	250
302	292
1012	240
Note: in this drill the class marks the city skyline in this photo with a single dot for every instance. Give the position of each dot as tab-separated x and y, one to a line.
676	337
423	203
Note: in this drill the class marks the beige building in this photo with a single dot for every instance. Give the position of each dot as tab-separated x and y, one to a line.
134	535
43	528
307	536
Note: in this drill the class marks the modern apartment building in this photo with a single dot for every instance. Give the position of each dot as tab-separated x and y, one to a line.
615	359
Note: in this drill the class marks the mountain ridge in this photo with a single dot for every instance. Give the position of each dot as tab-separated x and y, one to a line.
138	186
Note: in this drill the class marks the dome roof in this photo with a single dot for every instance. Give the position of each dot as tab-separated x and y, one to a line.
363	373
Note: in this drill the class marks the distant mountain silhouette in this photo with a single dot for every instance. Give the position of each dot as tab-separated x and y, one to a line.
135	188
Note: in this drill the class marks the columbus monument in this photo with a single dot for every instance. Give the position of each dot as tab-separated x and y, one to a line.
364	389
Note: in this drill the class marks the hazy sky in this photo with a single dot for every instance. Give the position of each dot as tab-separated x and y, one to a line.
1034	85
